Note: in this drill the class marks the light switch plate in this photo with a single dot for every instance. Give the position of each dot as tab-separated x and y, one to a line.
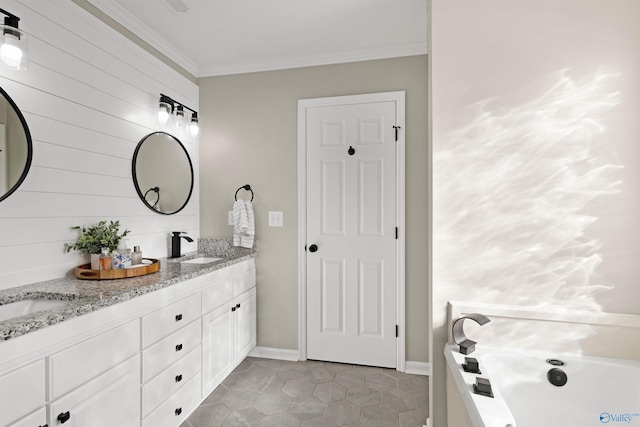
230	220
276	219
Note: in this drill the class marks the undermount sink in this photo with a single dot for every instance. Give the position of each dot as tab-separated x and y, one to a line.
201	260
28	306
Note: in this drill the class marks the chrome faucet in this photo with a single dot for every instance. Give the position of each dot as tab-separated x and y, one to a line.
175	243
467	346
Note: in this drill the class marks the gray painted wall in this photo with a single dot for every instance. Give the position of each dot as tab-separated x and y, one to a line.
250	137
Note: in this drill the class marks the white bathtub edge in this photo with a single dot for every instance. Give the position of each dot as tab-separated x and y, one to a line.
482	411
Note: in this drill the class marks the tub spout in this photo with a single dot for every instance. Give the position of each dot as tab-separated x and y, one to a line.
467	346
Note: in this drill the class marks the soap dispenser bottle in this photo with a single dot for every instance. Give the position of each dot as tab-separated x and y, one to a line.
137	256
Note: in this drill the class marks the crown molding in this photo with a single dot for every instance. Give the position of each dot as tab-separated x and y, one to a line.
163	46
138	28
315	60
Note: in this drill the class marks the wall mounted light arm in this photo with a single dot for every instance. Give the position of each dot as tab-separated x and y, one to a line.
13	45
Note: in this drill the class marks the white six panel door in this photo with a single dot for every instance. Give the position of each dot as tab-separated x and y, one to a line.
351	205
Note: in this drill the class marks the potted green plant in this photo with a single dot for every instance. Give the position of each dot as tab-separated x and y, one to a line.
92	239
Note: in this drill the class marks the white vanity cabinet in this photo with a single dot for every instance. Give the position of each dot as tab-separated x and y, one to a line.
148	361
228	326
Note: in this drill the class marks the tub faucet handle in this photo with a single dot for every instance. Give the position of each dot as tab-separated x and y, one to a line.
467	346
471	365
483	387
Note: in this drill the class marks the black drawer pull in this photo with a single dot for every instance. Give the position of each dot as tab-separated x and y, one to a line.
178	317
237	306
46	425
178	411
64	417
179	347
178	378
233	308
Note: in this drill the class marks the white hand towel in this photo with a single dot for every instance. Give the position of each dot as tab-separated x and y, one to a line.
244	224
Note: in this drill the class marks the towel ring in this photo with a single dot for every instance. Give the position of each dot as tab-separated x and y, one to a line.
246	187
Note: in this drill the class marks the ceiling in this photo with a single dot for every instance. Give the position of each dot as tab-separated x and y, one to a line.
216	37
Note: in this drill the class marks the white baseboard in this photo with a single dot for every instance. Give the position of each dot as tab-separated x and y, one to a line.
418	368
274	353
415	368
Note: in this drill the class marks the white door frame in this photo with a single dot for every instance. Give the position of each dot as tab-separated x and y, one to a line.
303	104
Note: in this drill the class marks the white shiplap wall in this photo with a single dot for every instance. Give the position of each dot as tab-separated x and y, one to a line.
88	96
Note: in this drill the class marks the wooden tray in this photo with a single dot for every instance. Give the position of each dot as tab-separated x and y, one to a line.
85	272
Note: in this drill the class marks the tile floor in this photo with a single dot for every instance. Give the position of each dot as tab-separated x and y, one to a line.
265	392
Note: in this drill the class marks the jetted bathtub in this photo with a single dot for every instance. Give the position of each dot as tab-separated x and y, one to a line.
542	390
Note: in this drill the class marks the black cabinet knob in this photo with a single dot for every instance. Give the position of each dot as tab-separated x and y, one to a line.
178	317
179	347
237	305
178	378
64	417
233	308
178	411
313	248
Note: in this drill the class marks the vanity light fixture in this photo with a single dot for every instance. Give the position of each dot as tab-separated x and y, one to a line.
13	44
167	106
193	124
180	121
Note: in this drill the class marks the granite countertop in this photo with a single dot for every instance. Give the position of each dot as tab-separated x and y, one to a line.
85	296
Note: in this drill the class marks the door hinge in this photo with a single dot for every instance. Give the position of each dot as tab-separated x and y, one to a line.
396	129
396	233
397	331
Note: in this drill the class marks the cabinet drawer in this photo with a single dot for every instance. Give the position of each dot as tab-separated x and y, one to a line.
171	349
21	391
38	418
78	364
244	281
170	380
167	320
177	408
217	295
111	399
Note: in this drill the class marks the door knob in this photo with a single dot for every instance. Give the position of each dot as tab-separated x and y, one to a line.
313	248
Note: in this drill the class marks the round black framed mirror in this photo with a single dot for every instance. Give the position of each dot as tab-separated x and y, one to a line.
162	173
16	147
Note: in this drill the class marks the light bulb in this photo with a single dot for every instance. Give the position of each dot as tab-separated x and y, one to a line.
180	120
194	129
10	51
164	111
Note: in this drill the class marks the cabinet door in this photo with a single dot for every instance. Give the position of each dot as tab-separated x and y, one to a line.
112	399
244	324
21	392
217	347
37	419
